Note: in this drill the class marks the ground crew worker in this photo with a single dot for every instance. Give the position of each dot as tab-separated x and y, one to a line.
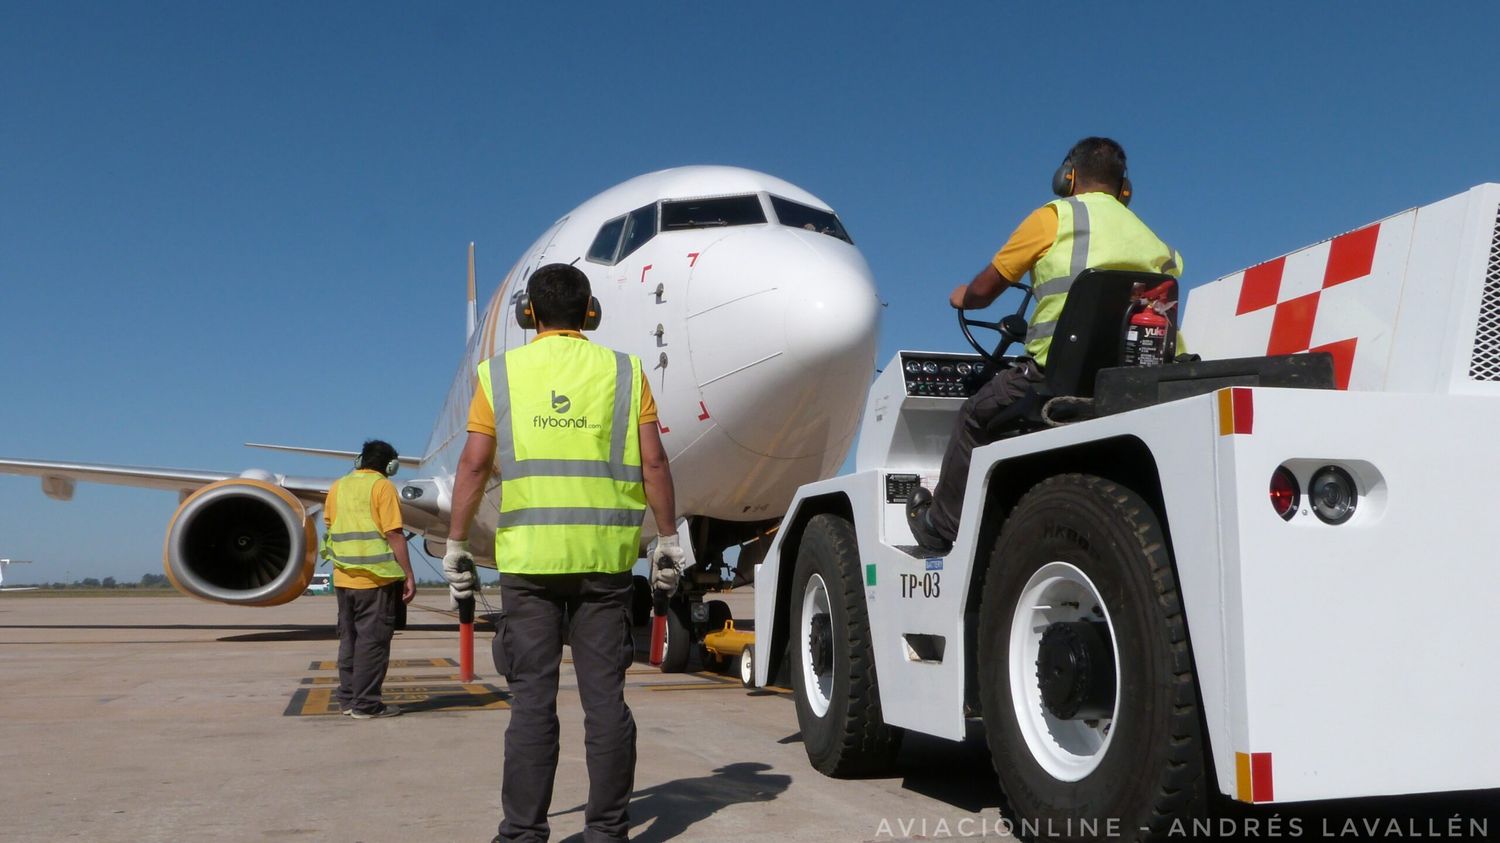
572	426
1089	227
371	571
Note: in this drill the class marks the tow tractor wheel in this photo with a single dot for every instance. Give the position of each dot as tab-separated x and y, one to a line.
833	672
747	666
719	614
679	641
1090	703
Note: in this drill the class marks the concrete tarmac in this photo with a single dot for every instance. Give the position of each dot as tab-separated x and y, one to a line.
162	718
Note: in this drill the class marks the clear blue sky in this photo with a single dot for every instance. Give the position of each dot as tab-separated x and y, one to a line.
201	203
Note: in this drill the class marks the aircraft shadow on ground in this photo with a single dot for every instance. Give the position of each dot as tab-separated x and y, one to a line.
455	702
672	808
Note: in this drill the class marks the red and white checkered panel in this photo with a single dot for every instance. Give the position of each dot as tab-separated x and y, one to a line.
1340	296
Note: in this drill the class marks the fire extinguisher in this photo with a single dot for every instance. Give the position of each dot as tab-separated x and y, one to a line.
1149	336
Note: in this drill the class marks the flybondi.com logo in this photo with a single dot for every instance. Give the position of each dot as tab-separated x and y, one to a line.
560	406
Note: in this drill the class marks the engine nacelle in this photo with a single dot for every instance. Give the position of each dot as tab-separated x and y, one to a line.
241	541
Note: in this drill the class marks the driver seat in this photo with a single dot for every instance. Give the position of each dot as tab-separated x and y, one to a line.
1089	337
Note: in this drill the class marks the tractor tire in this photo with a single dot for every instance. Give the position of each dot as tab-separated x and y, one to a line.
1086	676
833	661
679	642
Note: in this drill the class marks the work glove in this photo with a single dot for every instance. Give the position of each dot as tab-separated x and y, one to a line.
458	570
667	558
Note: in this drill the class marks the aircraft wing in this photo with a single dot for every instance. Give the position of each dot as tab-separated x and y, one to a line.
424	503
60	478
259	547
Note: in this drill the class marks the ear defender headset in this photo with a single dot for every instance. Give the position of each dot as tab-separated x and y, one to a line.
1065	181
527	319
390	468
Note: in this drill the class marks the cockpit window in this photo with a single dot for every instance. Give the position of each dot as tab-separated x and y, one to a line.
607	241
711	213
798	215
623	235
640	226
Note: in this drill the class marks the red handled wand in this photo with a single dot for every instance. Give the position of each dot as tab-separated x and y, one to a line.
659	620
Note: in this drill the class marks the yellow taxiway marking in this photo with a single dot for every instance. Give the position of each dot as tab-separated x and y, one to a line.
414	698
389	680
397	663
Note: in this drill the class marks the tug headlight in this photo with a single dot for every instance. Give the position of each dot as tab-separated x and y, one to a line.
1332	494
1285	494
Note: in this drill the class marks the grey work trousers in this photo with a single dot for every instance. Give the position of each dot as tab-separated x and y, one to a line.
969	432
528	650
367	620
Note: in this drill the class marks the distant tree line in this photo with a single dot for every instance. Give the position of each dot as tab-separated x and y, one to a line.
147	581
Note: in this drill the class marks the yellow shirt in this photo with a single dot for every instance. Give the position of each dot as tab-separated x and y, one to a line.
1029	243
482	414
387	511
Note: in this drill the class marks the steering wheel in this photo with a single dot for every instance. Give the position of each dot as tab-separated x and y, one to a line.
1012	329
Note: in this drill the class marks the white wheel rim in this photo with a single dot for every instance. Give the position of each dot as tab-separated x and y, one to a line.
819	686
1068	750
747	667
666	641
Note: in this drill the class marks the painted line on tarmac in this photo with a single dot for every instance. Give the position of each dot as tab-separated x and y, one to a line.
307	702
389	680
397	663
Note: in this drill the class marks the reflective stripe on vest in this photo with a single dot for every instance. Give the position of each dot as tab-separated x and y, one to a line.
354	541
1093	231
567	446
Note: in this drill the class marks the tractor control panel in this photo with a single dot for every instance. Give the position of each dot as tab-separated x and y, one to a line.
943	375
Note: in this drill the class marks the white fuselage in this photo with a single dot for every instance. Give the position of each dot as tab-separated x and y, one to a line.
757	339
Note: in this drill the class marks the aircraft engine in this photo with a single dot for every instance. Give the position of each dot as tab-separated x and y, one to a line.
241	541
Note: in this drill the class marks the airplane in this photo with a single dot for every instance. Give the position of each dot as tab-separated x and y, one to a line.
5	562
754	316
321	584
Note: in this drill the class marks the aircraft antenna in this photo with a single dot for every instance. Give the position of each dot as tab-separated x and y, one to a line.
470	314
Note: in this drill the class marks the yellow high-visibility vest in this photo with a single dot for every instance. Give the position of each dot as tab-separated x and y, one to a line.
354	541
1094	231
568	449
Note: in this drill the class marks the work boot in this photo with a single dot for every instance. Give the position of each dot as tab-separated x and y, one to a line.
383	711
919	518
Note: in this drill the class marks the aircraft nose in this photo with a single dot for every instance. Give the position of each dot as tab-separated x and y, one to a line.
782	324
832	311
